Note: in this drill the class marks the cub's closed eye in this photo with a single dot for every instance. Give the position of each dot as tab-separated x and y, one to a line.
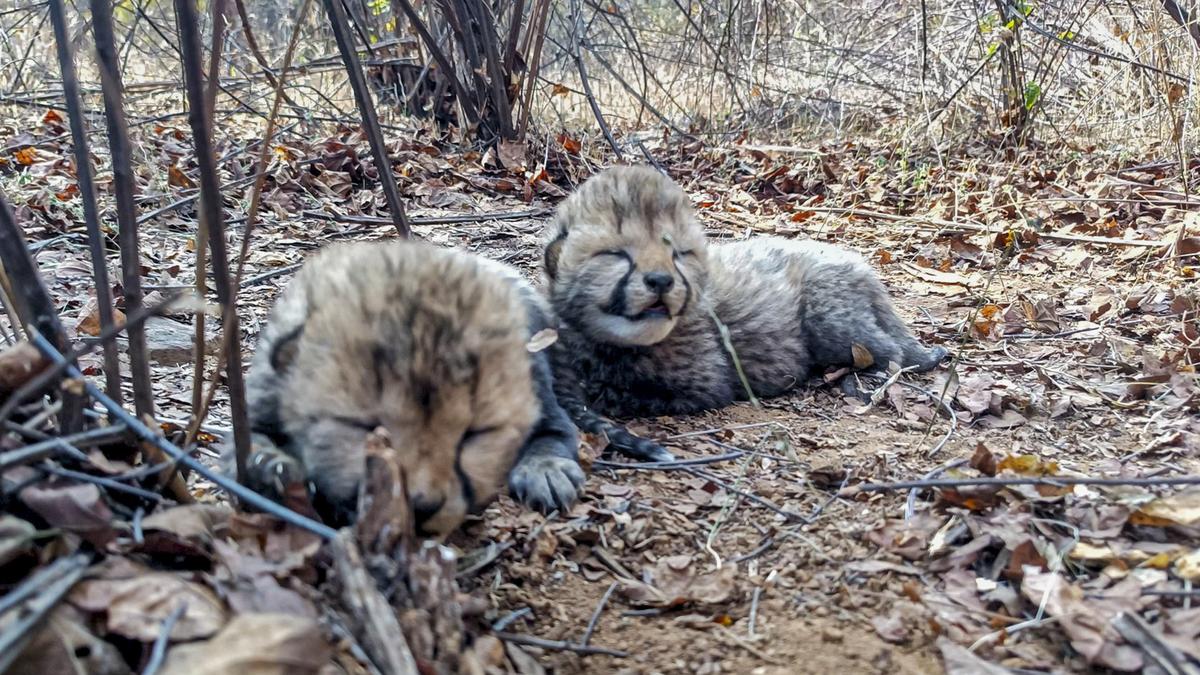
618	253
474	433
358	423
687	252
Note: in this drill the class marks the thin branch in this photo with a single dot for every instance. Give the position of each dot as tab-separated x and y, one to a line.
34	308
123	187
15	635
87	195
1054	481
200	410
370	122
576	40
558	645
591	627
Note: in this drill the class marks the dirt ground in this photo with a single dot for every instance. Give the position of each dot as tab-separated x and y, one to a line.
1070	357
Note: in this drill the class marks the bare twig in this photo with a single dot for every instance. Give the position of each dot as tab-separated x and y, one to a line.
1149	642
158	653
210	203
87	195
576	20
33	305
559	645
511	618
44	378
200	411
42	449
50	590
591	626
431	220
366	107
123	187
1055	481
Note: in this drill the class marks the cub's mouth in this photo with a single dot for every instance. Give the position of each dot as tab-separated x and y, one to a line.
657	310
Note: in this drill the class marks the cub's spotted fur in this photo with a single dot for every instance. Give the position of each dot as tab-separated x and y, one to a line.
429	344
636	285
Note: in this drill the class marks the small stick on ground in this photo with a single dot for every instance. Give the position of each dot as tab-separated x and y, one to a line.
380	631
430	220
508	619
591	627
1056	481
44	599
559	645
158	653
753	611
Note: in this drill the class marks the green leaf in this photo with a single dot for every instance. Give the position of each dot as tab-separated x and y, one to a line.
1033	93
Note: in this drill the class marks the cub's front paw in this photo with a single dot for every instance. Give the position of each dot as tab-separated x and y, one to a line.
636	447
274	474
546	482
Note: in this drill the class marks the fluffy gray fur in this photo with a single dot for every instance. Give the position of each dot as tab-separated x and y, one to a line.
629	348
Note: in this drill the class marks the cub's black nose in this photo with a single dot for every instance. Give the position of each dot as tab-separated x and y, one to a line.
423	510
659	282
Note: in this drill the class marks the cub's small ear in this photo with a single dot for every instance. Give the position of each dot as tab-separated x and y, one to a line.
285	349
553	251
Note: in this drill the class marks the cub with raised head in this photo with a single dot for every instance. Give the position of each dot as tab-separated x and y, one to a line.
636	287
432	345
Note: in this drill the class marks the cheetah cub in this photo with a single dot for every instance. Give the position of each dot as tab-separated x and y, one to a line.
635	285
431	344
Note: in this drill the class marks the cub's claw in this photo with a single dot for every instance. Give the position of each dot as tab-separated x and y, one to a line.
546	482
636	447
273	473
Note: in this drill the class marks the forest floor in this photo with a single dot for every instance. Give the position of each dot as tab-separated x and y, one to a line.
1074	339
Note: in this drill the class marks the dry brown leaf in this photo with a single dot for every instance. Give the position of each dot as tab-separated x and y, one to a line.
189	521
674	582
19	364
255	644
16	538
1181	508
135	607
75	508
1087	621
958	660
178	178
1187	567
512	155
938	276
65	645
862	356
983	460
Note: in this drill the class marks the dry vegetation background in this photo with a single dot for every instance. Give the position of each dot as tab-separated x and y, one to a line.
1020	173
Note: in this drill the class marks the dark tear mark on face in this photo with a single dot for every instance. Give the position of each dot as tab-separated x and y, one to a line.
285	349
617	302
687	287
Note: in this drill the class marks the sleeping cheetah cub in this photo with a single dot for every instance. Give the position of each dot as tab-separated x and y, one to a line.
635	285
431	345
